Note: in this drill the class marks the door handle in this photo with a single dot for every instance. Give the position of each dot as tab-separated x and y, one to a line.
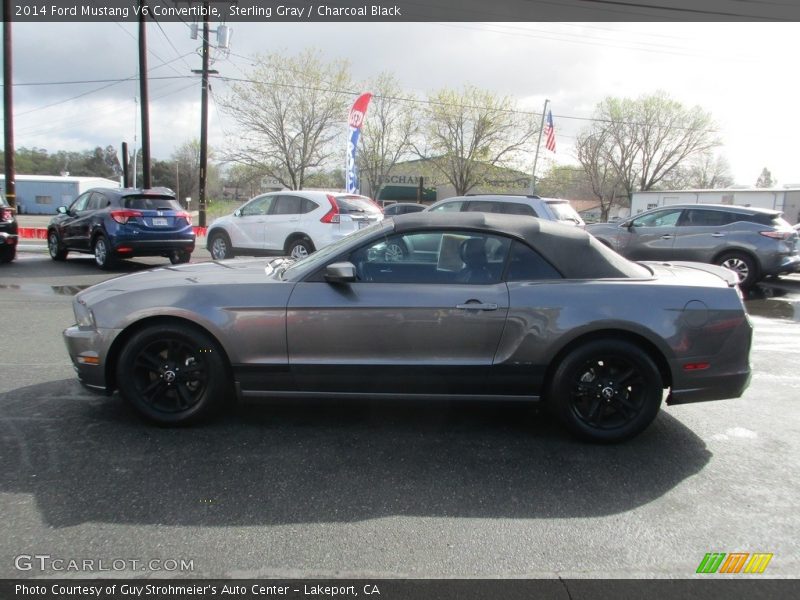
477	306
717	234
666	237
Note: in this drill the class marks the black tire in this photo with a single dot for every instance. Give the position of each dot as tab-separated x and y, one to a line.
299	248
743	265
219	245
7	253
178	257
606	391
149	374
103	254
54	247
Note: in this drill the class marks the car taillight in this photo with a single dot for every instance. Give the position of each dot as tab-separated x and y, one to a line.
122	216
332	216
777	235
184	215
6	214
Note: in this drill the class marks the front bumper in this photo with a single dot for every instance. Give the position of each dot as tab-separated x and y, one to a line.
8	239
88	350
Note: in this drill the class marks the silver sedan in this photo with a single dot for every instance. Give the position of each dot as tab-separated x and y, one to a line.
472	305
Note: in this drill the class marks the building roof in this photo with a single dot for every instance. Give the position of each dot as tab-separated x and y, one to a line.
723	190
60	179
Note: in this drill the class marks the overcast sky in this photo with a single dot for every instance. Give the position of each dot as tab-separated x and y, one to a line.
743	74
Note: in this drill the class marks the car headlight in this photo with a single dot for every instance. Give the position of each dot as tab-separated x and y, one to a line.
83	314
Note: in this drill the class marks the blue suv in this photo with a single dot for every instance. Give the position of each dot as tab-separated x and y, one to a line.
122	223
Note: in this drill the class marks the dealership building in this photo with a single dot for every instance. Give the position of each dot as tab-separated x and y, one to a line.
43	194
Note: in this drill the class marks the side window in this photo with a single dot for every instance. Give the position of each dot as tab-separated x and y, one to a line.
454	206
307	206
661	218
287	205
705	218
514	208
257	206
440	257
80	202
525	264
97	202
480	206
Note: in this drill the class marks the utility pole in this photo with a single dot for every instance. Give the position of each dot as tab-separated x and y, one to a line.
8	108
146	180
536	156
204	119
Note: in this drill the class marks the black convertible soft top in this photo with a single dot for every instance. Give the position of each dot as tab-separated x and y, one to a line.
575	253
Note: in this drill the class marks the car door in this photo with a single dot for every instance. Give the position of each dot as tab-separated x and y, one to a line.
650	236
412	323
248	229
701	234
75	227
284	219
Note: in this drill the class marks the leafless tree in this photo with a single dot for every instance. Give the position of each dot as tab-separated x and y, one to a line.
290	110
470	133
645	140
387	132
603	176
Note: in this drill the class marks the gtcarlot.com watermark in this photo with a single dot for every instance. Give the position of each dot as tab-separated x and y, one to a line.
58	564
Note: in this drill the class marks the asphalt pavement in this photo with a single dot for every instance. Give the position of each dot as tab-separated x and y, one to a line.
376	489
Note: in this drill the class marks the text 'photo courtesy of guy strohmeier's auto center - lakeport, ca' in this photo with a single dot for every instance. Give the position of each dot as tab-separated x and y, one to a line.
399	300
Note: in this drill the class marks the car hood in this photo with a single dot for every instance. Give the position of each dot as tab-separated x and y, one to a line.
197	274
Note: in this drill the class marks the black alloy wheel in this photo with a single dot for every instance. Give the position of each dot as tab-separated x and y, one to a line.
171	375
606	391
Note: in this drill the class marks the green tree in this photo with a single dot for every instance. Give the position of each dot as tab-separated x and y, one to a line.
466	133
290	112
765	179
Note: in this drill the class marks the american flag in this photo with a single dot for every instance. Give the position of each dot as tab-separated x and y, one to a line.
550	133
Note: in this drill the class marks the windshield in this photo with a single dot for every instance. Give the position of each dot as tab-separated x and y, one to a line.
356	204
316	259
565	212
151	203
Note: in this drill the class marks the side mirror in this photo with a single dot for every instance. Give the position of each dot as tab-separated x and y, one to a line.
62	210
341	272
627	224
237	212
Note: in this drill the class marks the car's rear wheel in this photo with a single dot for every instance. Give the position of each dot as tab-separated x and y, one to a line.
177	257
299	248
172	374
54	247
7	253
606	391
395	251
741	264
220	246
102	252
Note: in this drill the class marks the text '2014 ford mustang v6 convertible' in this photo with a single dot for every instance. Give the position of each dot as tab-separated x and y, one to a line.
471	305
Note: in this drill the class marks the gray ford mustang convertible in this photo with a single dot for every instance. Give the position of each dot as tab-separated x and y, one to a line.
467	305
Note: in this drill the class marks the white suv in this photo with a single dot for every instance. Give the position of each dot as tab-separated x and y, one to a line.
552	209
290	223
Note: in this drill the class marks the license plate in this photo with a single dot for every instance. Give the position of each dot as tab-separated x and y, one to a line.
160	222
362	224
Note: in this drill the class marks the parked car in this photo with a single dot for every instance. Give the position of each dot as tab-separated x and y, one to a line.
292	224
505	308
122	223
552	209
753	242
402	208
8	232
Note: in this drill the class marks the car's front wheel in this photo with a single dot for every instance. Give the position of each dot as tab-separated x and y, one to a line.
102	252
8	253
606	391
54	247
741	264
172	374
220	246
